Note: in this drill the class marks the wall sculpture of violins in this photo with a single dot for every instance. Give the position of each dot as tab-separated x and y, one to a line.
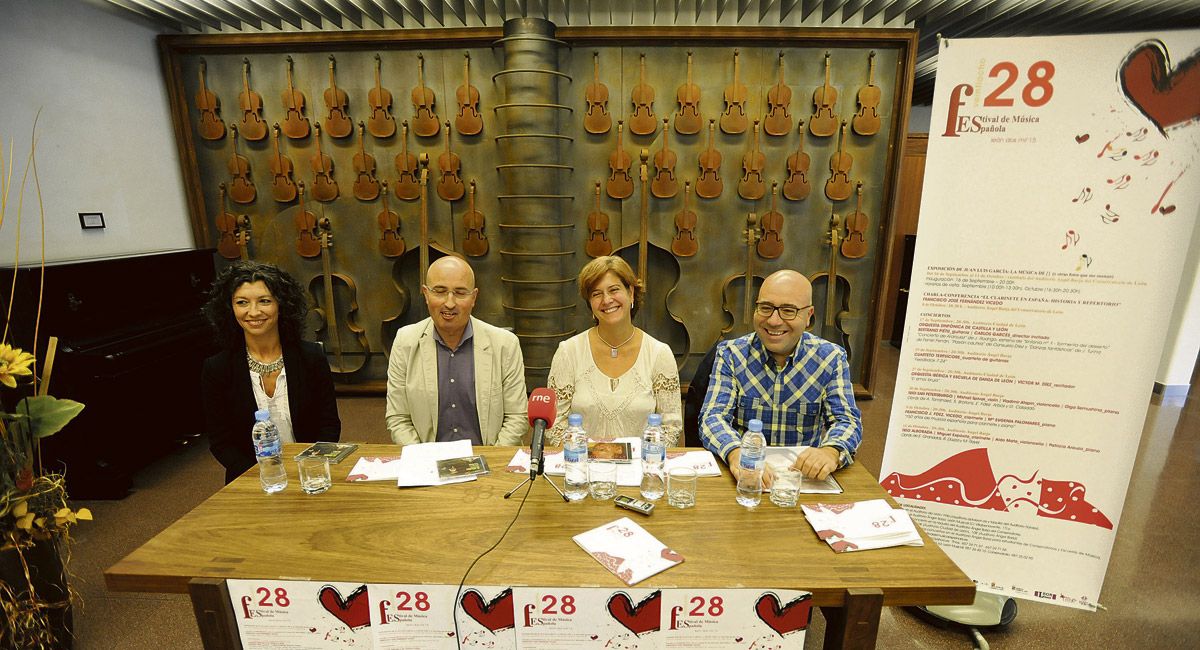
723	196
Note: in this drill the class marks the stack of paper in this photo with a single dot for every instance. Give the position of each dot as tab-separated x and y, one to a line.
862	525
784	457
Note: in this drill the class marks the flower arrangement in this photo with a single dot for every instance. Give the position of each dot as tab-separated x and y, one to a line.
35	518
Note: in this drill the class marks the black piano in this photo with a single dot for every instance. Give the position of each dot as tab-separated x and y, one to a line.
132	341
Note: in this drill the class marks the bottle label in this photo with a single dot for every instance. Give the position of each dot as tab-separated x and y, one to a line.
748	461
268	448
575	455
652	452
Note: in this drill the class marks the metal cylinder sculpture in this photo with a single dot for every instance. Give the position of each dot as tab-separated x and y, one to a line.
536	236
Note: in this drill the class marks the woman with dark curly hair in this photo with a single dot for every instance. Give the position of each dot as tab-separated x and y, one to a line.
257	311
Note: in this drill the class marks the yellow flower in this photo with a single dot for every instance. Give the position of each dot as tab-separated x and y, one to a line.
13	363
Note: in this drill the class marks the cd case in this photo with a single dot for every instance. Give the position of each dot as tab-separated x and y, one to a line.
336	452
461	467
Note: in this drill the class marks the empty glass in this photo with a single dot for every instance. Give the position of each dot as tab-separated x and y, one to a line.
314	474
602	480
786	487
681	487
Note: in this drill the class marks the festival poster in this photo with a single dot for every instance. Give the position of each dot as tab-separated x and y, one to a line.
301	615
581	618
735	619
486	617
413	617
1061	189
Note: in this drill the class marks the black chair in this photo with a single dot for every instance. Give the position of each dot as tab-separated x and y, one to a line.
695	398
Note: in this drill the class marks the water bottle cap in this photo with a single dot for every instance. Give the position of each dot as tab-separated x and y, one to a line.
575	420
756	425
654	420
262	415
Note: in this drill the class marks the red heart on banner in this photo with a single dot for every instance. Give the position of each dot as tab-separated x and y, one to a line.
1168	98
354	611
640	618
787	618
495	615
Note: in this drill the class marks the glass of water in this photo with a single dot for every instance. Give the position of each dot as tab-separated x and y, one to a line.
681	487
314	474
786	487
602	480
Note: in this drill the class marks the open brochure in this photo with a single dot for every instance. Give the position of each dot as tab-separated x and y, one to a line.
783	457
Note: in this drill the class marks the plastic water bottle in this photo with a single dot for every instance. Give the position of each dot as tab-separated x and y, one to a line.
267	448
749	487
654	454
575	458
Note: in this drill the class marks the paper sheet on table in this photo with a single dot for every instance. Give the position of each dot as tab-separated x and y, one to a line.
703	461
375	468
783	457
418	463
628	474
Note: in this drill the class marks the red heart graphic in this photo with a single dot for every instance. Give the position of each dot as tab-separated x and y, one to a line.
639	619
353	611
1168	98
788	618
1082	138
495	615
671	555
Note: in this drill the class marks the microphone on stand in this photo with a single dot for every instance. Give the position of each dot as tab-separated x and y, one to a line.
541	413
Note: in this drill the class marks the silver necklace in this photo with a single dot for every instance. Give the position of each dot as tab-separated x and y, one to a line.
264	368
613	348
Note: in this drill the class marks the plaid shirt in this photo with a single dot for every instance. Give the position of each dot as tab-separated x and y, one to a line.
809	401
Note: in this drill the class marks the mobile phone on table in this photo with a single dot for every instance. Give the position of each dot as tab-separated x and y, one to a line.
636	505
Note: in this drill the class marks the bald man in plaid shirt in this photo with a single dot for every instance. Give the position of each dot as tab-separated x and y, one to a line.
797	383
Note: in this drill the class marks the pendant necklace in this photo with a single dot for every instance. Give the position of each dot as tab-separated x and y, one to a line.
264	368
613	348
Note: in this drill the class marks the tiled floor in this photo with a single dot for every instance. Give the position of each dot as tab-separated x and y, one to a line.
1152	591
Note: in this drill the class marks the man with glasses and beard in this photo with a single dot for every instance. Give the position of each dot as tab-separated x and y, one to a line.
797	383
452	376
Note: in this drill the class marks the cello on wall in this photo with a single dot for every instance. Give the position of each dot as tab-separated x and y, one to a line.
831	293
741	289
334	301
211	126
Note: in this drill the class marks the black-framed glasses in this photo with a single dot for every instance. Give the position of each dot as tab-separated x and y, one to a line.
786	312
442	293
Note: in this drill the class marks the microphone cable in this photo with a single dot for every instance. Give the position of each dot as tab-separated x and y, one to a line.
458	594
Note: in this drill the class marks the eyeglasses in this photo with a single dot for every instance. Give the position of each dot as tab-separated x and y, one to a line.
786	312
442	293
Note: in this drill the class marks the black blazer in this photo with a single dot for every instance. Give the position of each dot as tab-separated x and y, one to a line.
229	403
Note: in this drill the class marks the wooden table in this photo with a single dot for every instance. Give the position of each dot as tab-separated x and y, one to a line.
376	533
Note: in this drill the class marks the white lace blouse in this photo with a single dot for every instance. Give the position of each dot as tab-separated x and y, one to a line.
615	408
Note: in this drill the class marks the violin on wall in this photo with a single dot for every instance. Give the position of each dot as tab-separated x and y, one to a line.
770	244
823	121
751	187
709	184
475	243
837	188
797	187
598	243
211	126
337	120
241	187
468	121
450	184
338	298
665	185
283	187
688	120
866	121
391	242
733	120
325	188
643	121
407	187
366	187
596	120
684	244
854	244
620	185
252	125
295	125
381	124
779	100
425	121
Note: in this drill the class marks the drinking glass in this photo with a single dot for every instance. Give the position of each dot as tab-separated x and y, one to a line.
681	487
602	480
314	474
785	488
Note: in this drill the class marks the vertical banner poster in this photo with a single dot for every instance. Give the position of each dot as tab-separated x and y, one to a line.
1060	193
